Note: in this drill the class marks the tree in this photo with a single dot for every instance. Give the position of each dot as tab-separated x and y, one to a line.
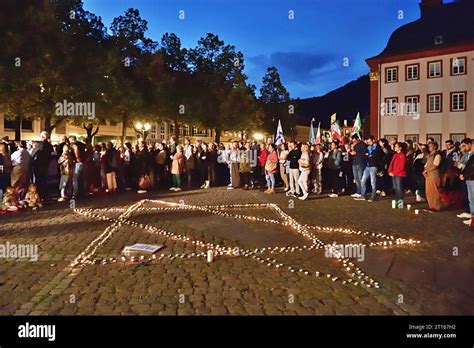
220	84
47	41
129	45
173	83
275	98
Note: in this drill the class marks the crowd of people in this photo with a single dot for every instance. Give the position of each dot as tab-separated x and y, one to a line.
362	168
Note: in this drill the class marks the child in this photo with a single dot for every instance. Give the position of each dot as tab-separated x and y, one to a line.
65	168
32	197
10	202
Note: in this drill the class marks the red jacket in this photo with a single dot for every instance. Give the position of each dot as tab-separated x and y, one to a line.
398	166
262	158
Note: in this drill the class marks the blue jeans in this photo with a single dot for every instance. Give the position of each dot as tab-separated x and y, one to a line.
64	186
470	194
398	187
78	180
369	172
270	180
358	171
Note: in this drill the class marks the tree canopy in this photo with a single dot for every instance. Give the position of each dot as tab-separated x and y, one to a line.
55	51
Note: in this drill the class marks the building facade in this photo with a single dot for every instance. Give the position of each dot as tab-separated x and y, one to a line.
108	131
422	84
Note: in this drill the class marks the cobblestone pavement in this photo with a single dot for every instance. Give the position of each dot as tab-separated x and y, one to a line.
433	277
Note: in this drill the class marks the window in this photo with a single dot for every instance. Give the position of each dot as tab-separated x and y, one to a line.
153	134
391	106
163	131
458	66
186	130
412	72
391	74
435	69
412	104
457	137
435	103
458	101
437	138
391	138
413	137
26	125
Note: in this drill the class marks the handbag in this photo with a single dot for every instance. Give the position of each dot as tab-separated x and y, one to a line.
144	183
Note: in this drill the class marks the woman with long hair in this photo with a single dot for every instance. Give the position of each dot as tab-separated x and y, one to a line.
271	168
433	179
398	171
305	169
283	153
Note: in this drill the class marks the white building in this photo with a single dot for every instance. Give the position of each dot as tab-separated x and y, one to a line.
422	84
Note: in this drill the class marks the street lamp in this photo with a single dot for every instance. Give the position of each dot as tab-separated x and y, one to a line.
142	129
258	136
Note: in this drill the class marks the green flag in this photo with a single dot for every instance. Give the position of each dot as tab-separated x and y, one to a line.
357	126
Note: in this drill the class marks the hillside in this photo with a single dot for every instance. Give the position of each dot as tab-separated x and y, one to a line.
346	101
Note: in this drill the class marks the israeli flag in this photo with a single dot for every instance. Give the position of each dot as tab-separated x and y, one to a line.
279	138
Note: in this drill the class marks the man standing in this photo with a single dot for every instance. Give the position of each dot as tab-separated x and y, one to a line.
293	157
41	157
374	159
466	166
447	172
21	161
78	179
359	150
188	152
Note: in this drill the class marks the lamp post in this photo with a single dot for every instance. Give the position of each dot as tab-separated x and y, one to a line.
142	129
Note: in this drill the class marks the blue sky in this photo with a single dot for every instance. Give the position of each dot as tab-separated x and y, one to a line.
308	50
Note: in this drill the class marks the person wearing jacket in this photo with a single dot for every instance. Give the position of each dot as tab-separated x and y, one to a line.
467	175
398	171
334	165
262	160
271	167
374	157
66	163
41	156
293	157
177	168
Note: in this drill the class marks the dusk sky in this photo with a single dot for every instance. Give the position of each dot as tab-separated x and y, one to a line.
308	50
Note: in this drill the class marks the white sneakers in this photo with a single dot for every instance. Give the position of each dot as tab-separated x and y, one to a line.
304	197
464	216
356	195
418	197
333	195
467	222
